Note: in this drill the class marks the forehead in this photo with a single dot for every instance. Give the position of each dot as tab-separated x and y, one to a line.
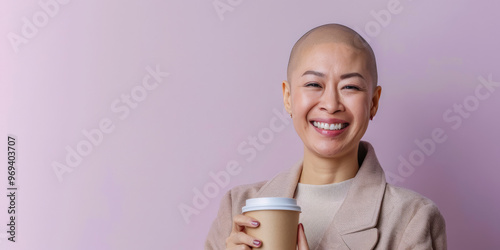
331	57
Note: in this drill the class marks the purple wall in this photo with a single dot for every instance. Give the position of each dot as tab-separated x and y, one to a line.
85	90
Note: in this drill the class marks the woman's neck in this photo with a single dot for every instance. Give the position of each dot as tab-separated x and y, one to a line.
319	171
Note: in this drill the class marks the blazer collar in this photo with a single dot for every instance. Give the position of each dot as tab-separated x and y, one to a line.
358	215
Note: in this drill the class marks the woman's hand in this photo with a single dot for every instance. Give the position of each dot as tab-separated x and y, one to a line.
238	239
301	239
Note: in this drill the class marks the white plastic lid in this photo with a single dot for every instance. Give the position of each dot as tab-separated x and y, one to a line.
271	203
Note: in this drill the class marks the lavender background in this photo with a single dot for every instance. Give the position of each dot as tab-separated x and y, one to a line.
224	86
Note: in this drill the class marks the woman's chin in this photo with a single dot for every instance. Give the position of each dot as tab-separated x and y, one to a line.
329	152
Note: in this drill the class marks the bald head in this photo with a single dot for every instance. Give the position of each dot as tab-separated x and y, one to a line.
332	33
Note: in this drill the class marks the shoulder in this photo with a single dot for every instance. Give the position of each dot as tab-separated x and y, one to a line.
237	195
246	190
406	197
408	200
410	220
416	219
409	207
280	185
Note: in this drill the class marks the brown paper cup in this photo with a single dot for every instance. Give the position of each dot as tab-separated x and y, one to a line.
278	217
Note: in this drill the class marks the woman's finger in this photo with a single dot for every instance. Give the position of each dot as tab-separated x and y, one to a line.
301	238
241	221
248	240
242	240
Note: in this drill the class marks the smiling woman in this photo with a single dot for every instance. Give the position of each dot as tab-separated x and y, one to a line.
331	95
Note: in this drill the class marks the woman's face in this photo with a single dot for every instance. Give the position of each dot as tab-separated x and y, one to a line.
331	84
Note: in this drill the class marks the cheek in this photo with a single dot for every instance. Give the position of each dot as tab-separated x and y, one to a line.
359	107
301	102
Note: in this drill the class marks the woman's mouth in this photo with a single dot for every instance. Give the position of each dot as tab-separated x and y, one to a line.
328	126
334	128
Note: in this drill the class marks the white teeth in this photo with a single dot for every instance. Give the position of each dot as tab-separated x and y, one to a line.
333	126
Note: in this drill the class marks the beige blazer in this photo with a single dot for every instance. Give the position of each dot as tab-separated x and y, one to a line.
374	215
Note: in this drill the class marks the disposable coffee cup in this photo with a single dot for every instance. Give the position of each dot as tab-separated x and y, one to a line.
279	219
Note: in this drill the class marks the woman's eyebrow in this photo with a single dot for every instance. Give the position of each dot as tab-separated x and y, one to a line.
349	75
344	76
312	72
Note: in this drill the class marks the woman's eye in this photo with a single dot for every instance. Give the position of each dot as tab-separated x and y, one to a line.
351	87
313	84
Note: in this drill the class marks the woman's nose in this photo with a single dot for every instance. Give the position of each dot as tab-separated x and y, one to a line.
331	101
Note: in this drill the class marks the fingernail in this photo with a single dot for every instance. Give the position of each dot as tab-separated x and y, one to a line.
256	242
255	223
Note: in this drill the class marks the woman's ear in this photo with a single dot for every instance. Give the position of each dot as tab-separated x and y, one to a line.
287	96
375	100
